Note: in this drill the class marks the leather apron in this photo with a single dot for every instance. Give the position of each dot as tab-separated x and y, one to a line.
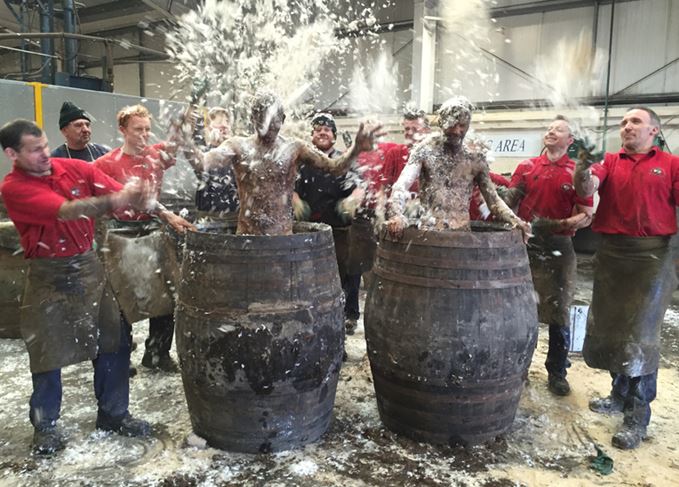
69	314
132	254
633	283
553	266
362	244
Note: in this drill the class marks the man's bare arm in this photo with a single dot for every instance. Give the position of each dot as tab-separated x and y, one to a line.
513	196
363	142
497	207
223	156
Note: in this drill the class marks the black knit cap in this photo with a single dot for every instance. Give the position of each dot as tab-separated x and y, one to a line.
325	119
70	112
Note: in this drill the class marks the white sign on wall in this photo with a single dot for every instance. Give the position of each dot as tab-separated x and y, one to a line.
513	144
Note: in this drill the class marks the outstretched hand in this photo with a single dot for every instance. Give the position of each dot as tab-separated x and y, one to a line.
365	138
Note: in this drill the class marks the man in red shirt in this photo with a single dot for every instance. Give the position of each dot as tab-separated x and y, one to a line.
543	189
137	159
634	277
415	128
68	315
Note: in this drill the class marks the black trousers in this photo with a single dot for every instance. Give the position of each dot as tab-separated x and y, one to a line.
161	331
636	393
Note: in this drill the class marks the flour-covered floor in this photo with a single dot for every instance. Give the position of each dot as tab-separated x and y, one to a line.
550	443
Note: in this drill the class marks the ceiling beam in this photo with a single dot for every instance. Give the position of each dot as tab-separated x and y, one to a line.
542	6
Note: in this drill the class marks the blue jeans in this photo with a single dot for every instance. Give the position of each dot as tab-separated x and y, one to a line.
636	393
111	386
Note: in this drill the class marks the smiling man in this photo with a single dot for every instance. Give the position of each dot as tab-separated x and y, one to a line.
634	277
543	190
68	314
76	127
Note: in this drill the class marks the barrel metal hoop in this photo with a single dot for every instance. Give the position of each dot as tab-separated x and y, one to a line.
422	261
498	283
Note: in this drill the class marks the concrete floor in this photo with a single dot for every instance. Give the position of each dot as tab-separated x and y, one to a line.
551	442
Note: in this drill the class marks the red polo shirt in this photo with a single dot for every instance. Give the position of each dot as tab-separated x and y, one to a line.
477	199
371	167
549	189
394	162
33	204
149	166
638	194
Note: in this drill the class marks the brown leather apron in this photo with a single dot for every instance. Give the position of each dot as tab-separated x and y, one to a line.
132	257
633	283
13	267
68	314
362	245
553	266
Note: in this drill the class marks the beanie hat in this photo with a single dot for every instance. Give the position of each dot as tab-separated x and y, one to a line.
325	119
70	112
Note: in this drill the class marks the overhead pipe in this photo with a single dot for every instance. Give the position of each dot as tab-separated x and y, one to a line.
85	37
24	58
608	76
70	44
47	43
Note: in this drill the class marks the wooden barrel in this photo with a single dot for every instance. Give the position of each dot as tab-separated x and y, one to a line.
13	268
260	336
451	326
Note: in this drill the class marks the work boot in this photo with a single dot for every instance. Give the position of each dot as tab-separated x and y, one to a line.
350	325
159	362
629	437
125	425
47	441
606	405
558	385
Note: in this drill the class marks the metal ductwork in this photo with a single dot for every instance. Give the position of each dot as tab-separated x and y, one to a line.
47	44
70	44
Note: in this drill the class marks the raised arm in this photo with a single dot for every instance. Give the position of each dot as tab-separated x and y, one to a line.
400	194
363	142
223	156
496	205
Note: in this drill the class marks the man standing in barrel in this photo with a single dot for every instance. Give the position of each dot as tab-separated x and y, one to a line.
634	276
543	189
68	314
137	159
75	125
266	167
322	197
446	171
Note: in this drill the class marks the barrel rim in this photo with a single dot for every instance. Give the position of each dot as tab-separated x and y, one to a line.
304	234
495	235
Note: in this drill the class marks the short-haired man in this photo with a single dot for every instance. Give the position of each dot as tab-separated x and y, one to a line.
446	170
542	188
68	315
415	128
326	198
138	159
266	166
75	125
634	277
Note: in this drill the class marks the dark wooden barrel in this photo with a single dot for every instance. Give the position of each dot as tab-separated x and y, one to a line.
362	245
13	268
451	326
260	336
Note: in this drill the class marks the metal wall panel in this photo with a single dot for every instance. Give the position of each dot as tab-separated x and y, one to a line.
17	101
